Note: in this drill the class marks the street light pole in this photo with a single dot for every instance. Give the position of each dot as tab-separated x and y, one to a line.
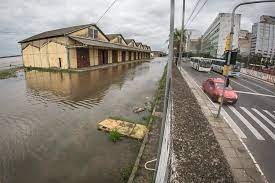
226	77
182	31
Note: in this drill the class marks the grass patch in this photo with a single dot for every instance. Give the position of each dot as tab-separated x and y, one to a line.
161	87
9	73
124	119
114	136
53	69
125	174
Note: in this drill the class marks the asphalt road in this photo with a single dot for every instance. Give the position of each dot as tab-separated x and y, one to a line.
253	114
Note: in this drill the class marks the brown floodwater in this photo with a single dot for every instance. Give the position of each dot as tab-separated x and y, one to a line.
48	123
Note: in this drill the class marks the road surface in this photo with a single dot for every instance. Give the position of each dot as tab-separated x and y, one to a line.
253	114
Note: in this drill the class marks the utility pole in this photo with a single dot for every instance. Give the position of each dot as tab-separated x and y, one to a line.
182	31
226	77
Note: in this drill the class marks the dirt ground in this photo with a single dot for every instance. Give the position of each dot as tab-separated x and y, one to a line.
199	158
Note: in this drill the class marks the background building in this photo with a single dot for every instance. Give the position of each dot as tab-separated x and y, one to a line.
244	42
213	40
263	37
193	46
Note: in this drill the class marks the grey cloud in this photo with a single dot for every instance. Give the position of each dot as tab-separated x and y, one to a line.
146	21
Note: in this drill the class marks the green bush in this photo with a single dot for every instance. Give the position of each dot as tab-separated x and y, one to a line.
114	136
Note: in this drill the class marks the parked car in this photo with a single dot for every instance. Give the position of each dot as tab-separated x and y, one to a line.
213	87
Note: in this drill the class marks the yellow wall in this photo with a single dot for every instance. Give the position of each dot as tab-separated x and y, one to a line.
110	56
119	53
45	53
73	58
84	33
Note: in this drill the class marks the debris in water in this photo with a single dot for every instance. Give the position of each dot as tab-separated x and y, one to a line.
139	109
125	128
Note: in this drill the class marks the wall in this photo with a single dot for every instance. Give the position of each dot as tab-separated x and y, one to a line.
84	33
45	53
260	75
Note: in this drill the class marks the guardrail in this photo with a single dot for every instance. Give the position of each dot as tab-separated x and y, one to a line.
260	75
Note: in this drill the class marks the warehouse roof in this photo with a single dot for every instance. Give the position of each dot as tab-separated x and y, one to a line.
57	32
92	42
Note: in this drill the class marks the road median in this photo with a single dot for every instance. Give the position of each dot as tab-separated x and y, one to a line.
204	148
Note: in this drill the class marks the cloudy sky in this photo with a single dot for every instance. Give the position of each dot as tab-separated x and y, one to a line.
144	20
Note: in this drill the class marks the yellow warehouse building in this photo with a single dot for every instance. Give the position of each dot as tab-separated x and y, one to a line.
78	47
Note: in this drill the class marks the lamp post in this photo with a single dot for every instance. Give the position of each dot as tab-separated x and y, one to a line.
231	40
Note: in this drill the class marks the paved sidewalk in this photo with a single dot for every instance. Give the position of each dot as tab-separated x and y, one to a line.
242	166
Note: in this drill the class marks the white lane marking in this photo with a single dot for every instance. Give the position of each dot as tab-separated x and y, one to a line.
269	132
226	116
264	117
259	94
244	86
259	86
247	124
269	113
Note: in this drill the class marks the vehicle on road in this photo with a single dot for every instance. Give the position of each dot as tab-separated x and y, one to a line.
201	64
217	66
213	87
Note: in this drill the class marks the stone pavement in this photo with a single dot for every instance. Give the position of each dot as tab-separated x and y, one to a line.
242	165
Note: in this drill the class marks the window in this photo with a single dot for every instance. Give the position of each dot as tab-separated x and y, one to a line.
93	33
119	39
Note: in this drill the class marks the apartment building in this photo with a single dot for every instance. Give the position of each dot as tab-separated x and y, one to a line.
214	38
263	37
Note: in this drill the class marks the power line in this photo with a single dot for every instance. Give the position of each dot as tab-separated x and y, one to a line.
198	12
195	7
106	11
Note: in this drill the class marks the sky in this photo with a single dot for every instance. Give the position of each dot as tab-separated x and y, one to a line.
146	21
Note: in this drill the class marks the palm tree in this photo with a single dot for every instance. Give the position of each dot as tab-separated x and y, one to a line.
177	35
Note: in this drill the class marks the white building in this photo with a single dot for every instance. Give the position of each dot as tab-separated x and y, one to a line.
213	40
263	37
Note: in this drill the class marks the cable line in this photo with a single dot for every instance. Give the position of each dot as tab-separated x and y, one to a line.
195	7
198	12
106	11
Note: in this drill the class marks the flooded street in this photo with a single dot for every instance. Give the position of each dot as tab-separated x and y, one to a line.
48	123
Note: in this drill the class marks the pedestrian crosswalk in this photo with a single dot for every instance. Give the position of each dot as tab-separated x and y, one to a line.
254	122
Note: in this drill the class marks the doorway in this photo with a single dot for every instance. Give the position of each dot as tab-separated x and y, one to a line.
82	57
114	56
102	57
123	56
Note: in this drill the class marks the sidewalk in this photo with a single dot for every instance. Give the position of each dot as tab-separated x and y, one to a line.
204	148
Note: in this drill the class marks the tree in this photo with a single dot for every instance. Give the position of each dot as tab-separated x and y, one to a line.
177	35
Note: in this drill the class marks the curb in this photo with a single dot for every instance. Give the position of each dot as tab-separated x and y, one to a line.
140	153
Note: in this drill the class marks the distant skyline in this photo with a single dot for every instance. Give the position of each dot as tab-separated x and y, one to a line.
145	21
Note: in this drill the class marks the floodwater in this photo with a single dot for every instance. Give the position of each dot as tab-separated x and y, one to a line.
10	62
48	123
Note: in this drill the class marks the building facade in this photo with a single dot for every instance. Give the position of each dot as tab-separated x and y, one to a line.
193	46
79	46
263	37
244	42
214	38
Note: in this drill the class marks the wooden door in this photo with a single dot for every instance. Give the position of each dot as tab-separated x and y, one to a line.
114	56
82	57
100	57
105	56
123	56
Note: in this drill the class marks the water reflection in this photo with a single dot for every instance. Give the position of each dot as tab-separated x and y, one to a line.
48	123
75	90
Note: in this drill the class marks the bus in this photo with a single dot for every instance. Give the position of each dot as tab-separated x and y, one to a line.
217	66
201	64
